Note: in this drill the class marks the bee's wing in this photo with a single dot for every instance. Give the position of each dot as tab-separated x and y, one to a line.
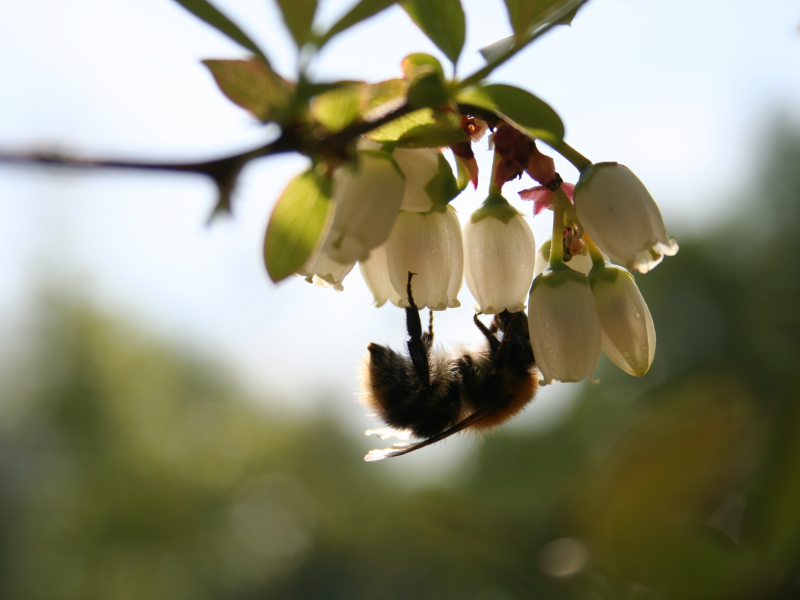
387	432
400	449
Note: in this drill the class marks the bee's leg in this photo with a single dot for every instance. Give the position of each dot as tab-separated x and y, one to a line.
418	344
490	336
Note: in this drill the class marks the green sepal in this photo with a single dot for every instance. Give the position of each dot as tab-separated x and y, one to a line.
296	223
443	187
442	21
557	275
496	207
517	107
606	272
254	86
425	128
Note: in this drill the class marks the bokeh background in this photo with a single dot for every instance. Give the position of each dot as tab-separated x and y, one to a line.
173	425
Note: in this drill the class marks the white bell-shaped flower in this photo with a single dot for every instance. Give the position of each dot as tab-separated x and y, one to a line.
499	252
376	273
629	336
582	263
321	270
621	216
564	326
366	203
430	246
420	166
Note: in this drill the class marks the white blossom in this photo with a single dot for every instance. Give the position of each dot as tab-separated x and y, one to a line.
376	273
629	336
323	271
564	326
366	203
621	216
430	246
499	252
419	166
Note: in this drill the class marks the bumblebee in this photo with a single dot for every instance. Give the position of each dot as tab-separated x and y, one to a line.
426	395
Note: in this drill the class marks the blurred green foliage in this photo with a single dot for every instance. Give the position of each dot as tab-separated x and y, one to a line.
129	472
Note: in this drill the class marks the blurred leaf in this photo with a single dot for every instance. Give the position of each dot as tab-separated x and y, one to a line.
465	173
519	108
528	15
208	13
424	128
391	91
442	21
443	187
339	107
252	85
418	62
496	49
361	11
298	16
427	90
296	224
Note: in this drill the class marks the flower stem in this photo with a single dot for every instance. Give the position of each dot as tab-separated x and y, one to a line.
569	210
557	241
594	251
576	158
494	188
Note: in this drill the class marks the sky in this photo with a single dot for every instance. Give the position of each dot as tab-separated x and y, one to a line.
680	91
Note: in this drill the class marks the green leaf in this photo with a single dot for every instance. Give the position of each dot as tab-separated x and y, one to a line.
339	107
390	91
208	13
413	64
426	128
519	108
463	172
528	15
296	224
361	11
442	21
252	85
427	90
298	16
443	187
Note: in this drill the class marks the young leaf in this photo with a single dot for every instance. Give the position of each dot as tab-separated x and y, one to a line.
296	224
361	11
252	85
519	108
527	15
339	107
391	91
442	21
443	187
208	13
298	16
425	128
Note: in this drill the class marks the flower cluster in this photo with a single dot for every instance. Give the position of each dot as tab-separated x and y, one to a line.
388	217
